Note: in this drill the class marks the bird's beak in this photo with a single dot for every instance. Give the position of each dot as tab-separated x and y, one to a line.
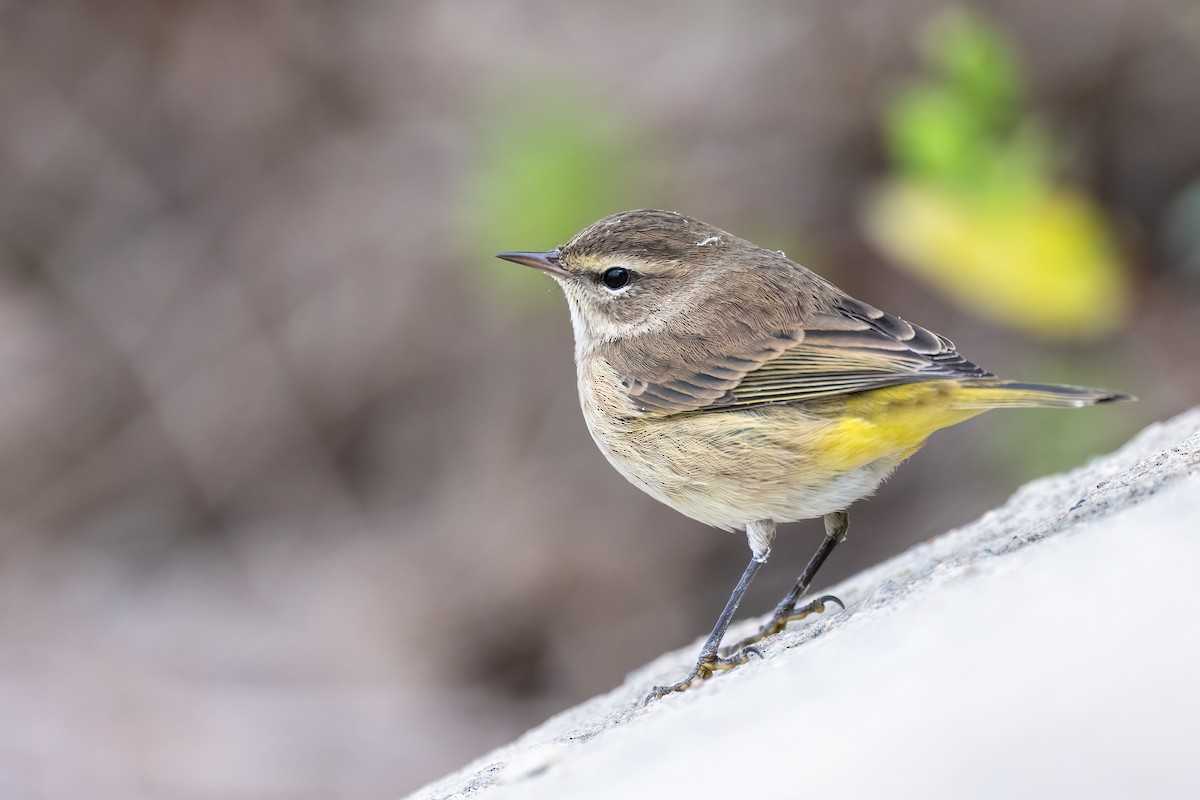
547	262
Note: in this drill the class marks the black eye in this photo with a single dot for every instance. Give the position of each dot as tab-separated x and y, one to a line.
616	277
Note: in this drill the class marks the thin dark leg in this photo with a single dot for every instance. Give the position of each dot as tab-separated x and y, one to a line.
785	612
835	532
709	662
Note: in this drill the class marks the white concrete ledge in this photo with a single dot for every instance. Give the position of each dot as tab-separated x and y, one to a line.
1049	649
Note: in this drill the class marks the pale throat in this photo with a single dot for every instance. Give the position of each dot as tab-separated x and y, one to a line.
592	330
597	328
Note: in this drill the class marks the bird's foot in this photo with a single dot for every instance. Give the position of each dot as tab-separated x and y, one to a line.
705	668
782	616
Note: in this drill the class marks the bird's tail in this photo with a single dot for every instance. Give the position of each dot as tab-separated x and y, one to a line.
984	394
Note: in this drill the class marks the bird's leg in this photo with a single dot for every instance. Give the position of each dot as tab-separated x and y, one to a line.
836	524
761	535
709	662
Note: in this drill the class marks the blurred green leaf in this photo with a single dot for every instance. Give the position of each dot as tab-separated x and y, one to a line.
548	164
974	206
931	134
961	124
972	57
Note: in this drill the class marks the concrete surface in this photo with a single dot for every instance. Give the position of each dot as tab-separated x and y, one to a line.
1049	649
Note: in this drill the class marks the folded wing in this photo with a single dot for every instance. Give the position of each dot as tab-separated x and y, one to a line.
853	347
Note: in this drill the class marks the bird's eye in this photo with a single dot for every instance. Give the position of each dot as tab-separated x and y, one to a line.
616	277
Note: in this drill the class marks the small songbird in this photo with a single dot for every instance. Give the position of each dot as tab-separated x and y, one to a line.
743	390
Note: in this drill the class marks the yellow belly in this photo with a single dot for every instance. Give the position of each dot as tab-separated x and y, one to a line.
887	423
783	462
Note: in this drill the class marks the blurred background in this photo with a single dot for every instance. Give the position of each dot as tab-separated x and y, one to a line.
296	497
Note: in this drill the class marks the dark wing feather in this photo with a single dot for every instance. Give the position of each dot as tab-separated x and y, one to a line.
706	382
852	347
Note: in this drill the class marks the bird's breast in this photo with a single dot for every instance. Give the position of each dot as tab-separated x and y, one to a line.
722	468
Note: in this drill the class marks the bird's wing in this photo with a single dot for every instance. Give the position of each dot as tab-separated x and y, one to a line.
851	348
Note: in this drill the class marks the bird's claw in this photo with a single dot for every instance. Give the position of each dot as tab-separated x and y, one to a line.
782	617
705	668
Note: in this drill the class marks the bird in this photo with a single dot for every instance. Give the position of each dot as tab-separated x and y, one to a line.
745	391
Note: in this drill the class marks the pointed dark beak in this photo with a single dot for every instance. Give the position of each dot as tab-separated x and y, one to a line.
547	262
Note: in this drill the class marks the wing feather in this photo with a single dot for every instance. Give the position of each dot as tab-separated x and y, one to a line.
851	347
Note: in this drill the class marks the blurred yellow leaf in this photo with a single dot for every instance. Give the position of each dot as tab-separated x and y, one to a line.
974	205
1040	259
